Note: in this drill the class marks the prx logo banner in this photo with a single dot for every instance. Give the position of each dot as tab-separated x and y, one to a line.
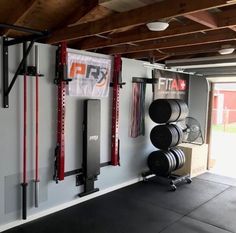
90	75
171	85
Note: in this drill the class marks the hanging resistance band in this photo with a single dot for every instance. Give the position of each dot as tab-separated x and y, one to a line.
61	81
117	82
138	109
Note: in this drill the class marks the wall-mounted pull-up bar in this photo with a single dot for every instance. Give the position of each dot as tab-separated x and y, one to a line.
35	36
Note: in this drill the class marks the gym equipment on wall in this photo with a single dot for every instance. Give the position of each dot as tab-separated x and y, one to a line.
61	80
28	71
35	36
116	84
91	145
168	110
166	136
36	181
24	183
138	109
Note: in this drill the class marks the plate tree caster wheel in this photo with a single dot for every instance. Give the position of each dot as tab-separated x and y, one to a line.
173	188
189	181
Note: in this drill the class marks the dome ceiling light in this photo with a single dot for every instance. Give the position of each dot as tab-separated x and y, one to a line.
157	26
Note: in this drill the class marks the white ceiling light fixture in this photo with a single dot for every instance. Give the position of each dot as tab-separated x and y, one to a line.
157	26
226	49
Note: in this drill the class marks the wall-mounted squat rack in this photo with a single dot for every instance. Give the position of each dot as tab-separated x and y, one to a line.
34	36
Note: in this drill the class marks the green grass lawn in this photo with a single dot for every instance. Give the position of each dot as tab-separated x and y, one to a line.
229	128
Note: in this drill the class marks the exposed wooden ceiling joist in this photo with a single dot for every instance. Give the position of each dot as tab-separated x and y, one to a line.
178	41
204	17
140	34
53	14
81	11
187	50
96	13
136	17
226	19
20	11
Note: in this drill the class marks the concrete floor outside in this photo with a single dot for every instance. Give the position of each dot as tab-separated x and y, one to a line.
223	149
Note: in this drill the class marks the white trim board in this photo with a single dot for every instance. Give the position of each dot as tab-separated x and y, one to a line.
68	204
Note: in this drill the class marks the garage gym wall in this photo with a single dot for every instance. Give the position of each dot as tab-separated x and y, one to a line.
198	100
133	151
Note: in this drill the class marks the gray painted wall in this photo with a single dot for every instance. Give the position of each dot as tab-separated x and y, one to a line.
133	151
198	100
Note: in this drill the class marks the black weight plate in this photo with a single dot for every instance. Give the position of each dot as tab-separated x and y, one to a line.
175	150
175	110
183	109
181	154
161	137
158	163
160	111
170	143
174	134
180	133
170	161
175	137
176	158
180	157
179	109
183	157
174	161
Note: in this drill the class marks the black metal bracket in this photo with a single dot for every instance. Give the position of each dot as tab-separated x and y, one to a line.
30	71
144	80
21	69
120	84
61	70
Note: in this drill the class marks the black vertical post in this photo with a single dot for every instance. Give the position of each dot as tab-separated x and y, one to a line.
5	73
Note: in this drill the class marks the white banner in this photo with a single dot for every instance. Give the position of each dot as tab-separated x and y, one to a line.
90	75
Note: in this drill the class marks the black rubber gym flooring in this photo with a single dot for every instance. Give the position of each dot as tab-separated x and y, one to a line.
208	205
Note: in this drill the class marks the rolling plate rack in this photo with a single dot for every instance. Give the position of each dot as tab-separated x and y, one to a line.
171	180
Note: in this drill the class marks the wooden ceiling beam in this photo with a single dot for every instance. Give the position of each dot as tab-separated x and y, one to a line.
19	11
187	50
134	17
180	41
203	17
81	11
226	19
141	34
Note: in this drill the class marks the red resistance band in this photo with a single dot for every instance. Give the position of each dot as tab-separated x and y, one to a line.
115	142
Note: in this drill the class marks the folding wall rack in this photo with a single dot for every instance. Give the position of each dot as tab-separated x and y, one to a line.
34	36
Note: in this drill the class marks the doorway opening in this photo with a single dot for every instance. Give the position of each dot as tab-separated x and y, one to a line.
223	129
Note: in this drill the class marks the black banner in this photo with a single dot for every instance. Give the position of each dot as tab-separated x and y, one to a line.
170	85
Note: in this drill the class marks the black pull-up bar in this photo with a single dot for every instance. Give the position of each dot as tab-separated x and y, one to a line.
22	29
35	35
